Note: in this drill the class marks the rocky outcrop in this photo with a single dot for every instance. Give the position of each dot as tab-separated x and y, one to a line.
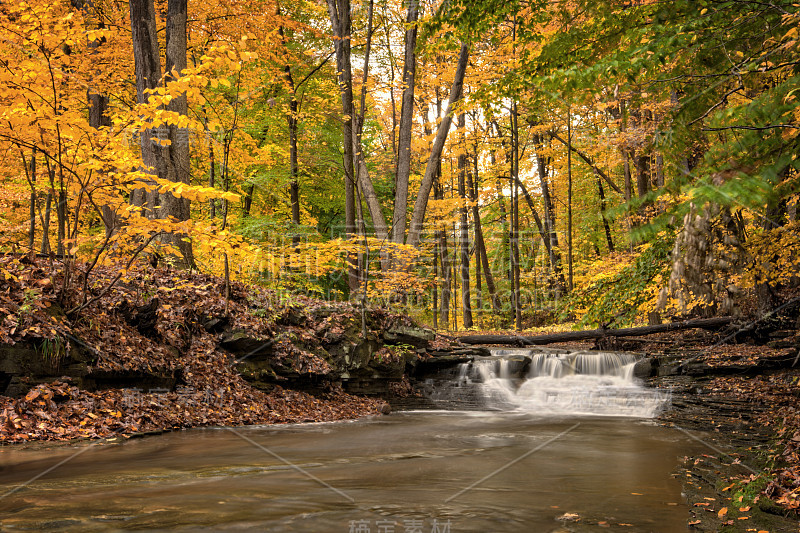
39	360
305	344
409	335
704	365
246	346
27	364
363	365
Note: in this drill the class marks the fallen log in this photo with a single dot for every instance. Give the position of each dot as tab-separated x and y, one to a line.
567	336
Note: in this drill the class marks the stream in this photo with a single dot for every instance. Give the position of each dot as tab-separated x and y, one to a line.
518	459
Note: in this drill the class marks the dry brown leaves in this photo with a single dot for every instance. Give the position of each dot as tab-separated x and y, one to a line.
213	393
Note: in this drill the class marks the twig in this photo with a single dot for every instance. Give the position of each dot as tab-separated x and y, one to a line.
752	128
721	101
116	278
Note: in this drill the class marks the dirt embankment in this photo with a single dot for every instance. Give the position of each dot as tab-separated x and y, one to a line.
163	349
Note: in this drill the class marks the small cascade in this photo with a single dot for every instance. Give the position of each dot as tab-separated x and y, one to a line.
552	383
587	363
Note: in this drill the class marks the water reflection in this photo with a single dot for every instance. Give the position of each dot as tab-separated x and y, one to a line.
398	470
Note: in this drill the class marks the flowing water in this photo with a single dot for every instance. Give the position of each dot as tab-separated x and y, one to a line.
509	467
550	383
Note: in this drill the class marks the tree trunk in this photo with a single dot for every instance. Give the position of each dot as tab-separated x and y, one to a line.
294	167
294	187
514	237
45	249
61	215
478	280
434	161
247	201
466	305
339	11
435	285
98	107
628	179
444	260
506	214
549	214
659	183
481	257
454	273
148	75
606	226
32	212
623	126
406	122
642	173
568	336
176	155
212	203
569	200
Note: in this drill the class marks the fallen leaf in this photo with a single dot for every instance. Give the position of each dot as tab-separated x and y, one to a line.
722	512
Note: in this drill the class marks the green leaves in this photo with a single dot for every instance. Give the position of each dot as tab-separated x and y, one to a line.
619	299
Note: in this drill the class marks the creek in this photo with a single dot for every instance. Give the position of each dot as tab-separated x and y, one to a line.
561	442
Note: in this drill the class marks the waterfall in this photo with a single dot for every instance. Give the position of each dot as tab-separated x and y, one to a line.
546	383
587	363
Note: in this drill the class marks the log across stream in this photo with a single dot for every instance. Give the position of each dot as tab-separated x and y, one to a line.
568	336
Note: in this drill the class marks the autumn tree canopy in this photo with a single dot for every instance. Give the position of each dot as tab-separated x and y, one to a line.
477	163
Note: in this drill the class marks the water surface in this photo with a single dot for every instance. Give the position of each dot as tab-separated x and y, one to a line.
406	472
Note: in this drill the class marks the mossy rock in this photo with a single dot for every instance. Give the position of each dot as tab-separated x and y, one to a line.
417	337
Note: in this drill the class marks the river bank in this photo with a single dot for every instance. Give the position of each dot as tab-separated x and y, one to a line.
740	401
163	349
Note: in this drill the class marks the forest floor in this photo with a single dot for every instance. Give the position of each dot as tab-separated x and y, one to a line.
170	343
